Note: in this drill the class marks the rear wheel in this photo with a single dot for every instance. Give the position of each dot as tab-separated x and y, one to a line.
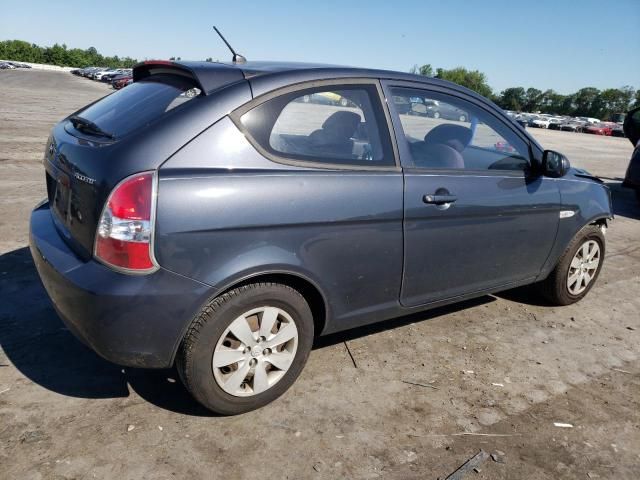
577	269
246	348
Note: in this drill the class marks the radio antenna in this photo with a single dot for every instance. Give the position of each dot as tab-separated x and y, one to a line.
237	58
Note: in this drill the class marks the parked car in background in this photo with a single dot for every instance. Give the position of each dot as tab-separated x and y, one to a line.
18	64
6	66
435	109
591	120
541	122
617	118
326	98
102	73
599	129
521	121
572	126
121	82
254	221
618	132
112	75
632	132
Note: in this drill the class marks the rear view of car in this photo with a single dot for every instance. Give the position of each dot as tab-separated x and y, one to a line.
101	176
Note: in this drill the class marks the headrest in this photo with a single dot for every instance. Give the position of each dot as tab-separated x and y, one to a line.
342	123
455	136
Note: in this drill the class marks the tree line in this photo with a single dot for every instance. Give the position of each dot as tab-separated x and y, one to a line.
586	102
21	51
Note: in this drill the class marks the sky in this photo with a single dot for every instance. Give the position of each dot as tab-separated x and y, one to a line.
560	44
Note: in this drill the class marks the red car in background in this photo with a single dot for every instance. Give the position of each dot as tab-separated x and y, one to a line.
599	129
121	82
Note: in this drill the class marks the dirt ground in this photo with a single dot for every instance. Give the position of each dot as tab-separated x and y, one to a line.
494	373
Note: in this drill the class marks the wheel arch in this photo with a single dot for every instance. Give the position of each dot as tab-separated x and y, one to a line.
600	219
309	289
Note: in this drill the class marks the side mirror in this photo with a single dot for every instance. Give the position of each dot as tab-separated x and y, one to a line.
554	164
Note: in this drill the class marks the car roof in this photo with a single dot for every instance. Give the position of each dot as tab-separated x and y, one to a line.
269	75
266	76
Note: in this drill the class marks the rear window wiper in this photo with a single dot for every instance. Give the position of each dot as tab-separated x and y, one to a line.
88	126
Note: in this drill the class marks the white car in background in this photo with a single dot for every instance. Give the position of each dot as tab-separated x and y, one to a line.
98	75
542	122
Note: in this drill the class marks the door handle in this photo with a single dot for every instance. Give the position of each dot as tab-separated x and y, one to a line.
439	199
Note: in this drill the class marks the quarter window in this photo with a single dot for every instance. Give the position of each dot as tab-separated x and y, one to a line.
335	125
445	132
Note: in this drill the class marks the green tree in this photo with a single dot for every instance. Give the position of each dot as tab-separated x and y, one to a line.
532	100
513	99
586	103
472	79
426	70
22	51
551	101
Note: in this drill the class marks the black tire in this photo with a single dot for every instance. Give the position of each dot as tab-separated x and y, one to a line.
554	287
194	360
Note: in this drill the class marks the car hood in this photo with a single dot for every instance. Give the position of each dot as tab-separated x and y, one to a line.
580	173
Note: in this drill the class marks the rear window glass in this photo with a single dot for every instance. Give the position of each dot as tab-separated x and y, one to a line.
140	103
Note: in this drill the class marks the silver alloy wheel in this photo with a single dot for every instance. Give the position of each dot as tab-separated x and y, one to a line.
583	267
255	351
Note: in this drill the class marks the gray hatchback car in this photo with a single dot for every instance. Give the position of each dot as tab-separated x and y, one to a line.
215	217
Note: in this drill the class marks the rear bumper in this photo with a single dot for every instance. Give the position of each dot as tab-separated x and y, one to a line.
129	320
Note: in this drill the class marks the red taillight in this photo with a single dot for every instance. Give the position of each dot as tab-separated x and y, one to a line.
132	199
123	238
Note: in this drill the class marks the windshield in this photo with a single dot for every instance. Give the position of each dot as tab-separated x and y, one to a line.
139	104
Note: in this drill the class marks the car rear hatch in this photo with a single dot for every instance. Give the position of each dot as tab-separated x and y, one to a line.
92	150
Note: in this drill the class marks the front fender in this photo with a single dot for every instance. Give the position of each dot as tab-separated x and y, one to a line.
584	202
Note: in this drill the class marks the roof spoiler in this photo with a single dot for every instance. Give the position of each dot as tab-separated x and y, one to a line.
203	75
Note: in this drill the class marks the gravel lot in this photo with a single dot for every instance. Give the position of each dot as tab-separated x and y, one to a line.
504	365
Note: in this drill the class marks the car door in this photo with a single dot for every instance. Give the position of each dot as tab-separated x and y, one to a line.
302	180
476	217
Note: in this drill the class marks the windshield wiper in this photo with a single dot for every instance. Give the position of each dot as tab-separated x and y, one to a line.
88	126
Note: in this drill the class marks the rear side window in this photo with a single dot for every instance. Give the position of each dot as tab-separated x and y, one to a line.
140	103
334	125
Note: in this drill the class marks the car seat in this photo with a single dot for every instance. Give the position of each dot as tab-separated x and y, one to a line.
335	136
442	147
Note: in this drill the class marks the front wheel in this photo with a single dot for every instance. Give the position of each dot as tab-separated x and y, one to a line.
577	269
246	348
